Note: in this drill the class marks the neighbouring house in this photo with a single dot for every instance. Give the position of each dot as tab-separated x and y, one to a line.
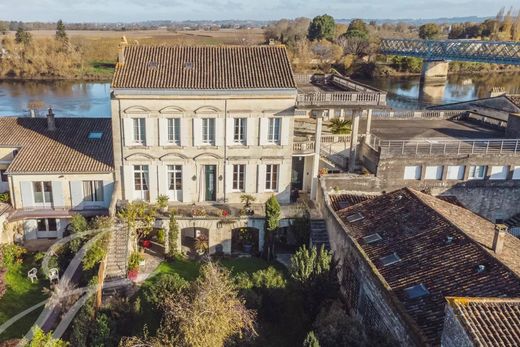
203	124
481	322
54	168
401	254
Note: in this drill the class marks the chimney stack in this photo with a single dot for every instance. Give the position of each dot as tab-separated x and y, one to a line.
51	122
498	239
121	56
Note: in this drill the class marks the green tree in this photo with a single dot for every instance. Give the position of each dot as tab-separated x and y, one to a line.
272	219
322	28
340	126
61	35
78	224
309	264
22	36
173	236
311	340
41	339
358	25
429	31
208	313
95	253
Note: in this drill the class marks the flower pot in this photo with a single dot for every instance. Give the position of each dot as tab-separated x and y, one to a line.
132	275
247	247
164	209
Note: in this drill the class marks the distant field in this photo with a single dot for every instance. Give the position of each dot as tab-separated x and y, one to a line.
223	36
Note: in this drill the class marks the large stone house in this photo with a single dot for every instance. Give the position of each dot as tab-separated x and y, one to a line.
53	168
203	124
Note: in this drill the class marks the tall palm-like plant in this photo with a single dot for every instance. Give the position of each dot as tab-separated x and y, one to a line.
339	126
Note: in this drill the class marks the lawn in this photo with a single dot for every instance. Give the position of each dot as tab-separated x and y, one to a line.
20	295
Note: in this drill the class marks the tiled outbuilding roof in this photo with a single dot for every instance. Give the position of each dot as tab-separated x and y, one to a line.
489	322
67	149
436	248
204	67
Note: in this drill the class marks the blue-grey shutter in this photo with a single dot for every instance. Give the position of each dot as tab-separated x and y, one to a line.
57	194
27	194
76	194
108	188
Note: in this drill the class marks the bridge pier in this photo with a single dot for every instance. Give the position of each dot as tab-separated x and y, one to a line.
434	71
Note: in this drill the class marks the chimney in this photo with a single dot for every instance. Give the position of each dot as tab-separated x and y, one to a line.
498	239
51	122
121	56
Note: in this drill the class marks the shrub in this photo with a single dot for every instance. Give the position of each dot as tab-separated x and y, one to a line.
103	222
268	278
11	255
166	285
173	237
161	236
162	201
95	253
78	224
5	198
40	338
311	340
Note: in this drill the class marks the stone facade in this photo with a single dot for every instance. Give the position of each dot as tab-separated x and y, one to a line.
454	334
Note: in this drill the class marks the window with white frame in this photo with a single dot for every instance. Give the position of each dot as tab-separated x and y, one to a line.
433	172
412	172
477	172
239	130
42	192
239	172
516	173
273	133
174	131
93	191
208	131
141	181
174	177
498	172
271	176
455	172
139	130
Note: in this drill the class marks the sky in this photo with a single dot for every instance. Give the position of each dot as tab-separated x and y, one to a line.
177	10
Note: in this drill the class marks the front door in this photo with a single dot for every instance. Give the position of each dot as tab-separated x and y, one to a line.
210	173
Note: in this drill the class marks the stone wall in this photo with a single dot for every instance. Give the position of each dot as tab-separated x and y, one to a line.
453	334
365	291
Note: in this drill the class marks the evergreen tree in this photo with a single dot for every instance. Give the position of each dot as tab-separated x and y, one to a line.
272	219
322	28
61	35
311	340
429	31
22	36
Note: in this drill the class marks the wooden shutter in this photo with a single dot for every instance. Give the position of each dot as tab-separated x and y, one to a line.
251	179
230	131
128	131
252	132
26	189
128	182
261	178
264	128
108	189
185	134
219	131
76	194
197	132
229	178
57	194
152	182
163	131
150	132
162	176
285	133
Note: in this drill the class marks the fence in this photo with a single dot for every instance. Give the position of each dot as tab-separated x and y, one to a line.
410	114
443	146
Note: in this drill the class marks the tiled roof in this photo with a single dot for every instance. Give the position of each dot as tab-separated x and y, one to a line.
432	239
64	150
204	67
489	321
341	201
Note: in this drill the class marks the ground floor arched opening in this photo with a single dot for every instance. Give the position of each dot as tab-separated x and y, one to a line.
195	240
245	240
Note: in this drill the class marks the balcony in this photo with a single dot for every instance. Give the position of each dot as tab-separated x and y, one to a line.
335	90
307	146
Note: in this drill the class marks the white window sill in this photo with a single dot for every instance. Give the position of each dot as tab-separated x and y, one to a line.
137	145
170	146
203	146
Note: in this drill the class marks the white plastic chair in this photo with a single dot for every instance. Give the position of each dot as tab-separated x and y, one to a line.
32	274
54	274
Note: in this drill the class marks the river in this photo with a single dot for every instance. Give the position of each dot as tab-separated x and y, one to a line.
92	99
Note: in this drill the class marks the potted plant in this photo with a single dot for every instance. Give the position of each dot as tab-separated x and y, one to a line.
323	171
198	212
247	240
162	203
133	265
201	244
247	199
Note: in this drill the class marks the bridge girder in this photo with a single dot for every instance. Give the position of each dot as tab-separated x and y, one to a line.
493	52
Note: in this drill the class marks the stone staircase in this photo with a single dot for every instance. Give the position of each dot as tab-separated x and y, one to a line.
319	235
117	258
513	225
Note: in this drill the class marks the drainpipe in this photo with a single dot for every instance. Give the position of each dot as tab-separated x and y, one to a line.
225	149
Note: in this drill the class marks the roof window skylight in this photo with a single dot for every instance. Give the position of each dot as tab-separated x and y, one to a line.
372	238
417	291
355	217
390	259
95	135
